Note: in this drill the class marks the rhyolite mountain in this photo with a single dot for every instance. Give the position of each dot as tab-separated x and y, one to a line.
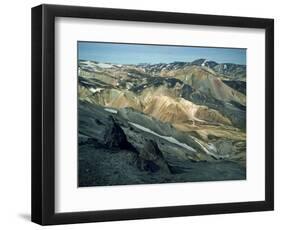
158	123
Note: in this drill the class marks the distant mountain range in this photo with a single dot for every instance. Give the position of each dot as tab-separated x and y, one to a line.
227	70
194	111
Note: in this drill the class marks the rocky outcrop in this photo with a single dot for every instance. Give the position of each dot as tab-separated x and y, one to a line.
237	85
114	136
151	158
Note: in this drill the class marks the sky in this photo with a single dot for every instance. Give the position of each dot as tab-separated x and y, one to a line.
121	53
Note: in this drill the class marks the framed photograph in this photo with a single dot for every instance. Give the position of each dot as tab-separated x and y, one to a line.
142	114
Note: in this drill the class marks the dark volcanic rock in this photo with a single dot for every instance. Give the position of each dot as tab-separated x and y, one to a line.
102	167
232	71
237	85
151	158
112	152
114	136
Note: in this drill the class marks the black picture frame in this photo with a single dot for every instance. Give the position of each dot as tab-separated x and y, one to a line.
43	114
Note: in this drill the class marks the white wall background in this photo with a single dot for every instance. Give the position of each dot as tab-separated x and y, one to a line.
15	114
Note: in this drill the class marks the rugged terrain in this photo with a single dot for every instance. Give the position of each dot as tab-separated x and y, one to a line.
157	123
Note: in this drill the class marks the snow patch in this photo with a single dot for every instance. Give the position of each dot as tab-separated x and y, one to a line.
97	90
210	149
204	62
167	138
111	110
104	65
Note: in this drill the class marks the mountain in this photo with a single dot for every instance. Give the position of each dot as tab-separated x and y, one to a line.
162	118
204	62
206	81
232	71
224	70
229	70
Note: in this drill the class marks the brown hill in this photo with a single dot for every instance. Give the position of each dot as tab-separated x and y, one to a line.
206	81
160	104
